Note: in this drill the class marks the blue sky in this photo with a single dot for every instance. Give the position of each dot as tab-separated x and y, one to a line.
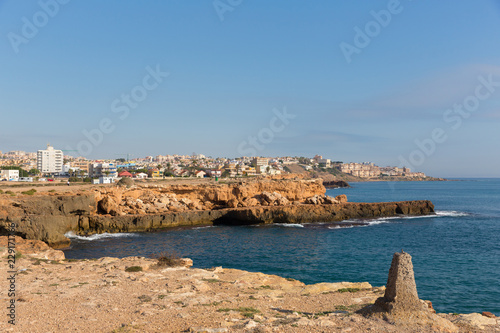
234	65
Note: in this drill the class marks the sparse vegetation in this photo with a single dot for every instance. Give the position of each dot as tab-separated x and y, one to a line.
211	304
350	290
167	259
248	312
30	192
145	298
133	269
341	308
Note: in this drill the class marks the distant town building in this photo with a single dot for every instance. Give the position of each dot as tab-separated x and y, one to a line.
80	166
214	172
106	180
12	175
324	162
200	174
102	169
125	174
155	173
50	160
363	170
261	164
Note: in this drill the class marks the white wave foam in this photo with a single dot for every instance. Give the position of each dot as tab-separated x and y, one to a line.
72	235
341	227
204	227
378	221
290	225
452	213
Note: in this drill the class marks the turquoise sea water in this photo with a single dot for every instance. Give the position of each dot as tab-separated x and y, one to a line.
456	254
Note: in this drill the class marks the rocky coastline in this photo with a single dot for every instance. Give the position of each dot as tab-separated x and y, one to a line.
135	294
133	208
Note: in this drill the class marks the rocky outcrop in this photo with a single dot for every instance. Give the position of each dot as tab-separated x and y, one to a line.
51	228
156	199
401	304
336	184
45	217
324	212
29	247
144	208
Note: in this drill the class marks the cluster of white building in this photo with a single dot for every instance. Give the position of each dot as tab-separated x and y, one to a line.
48	161
370	170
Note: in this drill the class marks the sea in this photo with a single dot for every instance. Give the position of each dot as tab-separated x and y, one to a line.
455	253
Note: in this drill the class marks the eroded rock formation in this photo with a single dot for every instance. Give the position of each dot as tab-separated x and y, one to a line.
48	217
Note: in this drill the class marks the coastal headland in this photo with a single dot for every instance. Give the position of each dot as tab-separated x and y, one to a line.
48	216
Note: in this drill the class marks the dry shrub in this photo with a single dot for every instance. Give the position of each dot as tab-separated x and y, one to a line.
168	259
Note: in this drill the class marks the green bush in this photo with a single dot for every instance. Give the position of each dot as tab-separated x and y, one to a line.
133	269
30	192
350	290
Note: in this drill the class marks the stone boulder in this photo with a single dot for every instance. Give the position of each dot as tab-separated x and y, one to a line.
108	205
315	200
475	319
331	201
233	203
273	199
127	182
341	198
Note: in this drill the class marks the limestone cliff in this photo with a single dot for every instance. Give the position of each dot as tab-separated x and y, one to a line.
144	208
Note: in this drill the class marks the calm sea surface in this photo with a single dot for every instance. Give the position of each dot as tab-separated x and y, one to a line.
456	254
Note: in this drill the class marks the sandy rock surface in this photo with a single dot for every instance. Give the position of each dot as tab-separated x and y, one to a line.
114	295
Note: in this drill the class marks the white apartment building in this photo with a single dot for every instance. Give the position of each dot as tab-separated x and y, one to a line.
103	169
12	175
49	160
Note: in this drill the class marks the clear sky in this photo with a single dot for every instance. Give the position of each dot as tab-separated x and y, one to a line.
409	82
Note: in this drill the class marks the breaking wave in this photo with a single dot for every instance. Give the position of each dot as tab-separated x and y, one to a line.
290	225
72	235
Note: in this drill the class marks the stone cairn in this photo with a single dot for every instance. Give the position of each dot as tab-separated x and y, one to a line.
400	304
401	290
